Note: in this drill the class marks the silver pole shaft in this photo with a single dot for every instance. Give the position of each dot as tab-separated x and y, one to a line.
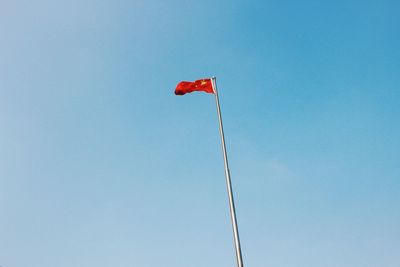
228	181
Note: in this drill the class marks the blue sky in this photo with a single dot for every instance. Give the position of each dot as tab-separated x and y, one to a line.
101	165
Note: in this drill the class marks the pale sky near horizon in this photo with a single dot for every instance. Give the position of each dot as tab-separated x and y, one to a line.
102	165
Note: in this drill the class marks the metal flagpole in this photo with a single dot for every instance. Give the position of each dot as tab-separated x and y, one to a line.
228	180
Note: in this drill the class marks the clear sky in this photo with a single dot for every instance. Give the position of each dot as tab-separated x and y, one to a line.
102	165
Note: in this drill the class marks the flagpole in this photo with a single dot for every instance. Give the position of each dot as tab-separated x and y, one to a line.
228	180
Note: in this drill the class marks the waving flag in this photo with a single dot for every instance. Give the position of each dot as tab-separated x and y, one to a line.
204	85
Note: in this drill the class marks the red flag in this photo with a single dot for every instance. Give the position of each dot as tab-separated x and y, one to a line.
204	85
